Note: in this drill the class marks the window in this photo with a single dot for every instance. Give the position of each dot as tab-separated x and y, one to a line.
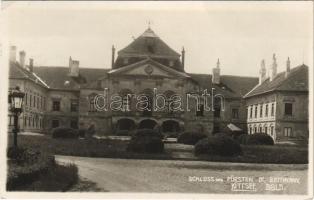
26	99
272	109
55	123
56	105
10	120
235	113
271	130
266	110
125	60
200	110
92	105
44	103
255	129
29	121
250	130
33	125
40	123
251	111
260	129
25	121
288	109
255	114
34	102
265	129
287	131
171	63
30	100
74	105
261	110
74	124
37	102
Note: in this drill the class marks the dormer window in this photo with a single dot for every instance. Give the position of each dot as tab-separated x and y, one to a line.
171	63
125	60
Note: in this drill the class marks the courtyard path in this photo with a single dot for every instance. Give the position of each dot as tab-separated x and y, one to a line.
130	175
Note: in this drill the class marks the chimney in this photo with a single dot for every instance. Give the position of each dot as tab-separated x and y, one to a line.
31	65
273	70
73	67
112	56
182	56
216	73
22	58
12	54
262	72
288	67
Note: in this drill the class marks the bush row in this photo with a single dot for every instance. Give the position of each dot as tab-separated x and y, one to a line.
66	132
255	139
218	144
190	138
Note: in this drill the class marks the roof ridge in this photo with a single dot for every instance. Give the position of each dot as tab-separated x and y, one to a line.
68	67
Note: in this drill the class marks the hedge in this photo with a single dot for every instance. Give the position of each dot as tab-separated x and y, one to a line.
218	145
190	137
65	132
255	139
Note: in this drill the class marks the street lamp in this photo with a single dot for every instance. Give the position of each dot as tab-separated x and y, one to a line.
16	103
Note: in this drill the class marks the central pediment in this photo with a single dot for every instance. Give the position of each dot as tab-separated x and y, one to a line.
148	67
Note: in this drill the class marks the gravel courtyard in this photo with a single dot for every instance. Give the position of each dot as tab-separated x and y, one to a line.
130	175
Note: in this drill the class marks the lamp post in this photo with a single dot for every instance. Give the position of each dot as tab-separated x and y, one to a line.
16	107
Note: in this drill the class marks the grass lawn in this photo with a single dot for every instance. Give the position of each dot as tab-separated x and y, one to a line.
277	154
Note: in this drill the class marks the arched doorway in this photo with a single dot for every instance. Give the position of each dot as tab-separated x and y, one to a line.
147	124
170	126
125	124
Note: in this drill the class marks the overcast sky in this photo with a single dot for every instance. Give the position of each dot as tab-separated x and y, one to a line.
240	34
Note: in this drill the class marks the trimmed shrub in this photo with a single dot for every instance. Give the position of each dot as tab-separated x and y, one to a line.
146	141
260	139
190	138
218	145
65	132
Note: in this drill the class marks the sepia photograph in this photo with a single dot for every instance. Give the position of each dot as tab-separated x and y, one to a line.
139	99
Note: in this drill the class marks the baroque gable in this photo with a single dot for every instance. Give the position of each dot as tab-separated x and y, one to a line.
148	67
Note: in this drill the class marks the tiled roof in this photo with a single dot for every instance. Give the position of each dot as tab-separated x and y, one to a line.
57	77
149	44
229	87
18	72
297	80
